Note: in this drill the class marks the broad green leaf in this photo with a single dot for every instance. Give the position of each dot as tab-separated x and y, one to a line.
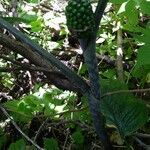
141	71
110	73
128	115
32	100
145	7
18	145
145	36
50	144
143	58
110	85
29	17
144	55
20	110
123	111
49	110
131	13
78	137
51	98
36	26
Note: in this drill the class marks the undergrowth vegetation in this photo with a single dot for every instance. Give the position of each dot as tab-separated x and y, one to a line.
41	109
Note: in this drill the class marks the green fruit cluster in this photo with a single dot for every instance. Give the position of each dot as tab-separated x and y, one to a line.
79	15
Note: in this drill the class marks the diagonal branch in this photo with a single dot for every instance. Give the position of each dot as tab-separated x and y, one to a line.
17	127
72	76
55	76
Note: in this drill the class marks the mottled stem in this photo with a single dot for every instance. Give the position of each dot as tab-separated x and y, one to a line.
88	47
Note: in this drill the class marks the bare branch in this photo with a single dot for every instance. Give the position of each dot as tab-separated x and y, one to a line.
126	91
19	130
142	144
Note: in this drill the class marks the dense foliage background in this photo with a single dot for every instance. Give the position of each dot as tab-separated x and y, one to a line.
39	105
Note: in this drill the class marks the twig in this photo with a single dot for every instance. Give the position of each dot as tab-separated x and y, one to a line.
145	146
66	140
142	135
119	146
126	91
19	130
39	130
77	122
95	146
24	65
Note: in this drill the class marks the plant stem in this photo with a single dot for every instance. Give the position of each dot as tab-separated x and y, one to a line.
119	62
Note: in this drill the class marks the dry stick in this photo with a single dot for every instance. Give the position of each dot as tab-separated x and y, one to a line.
25	51
38	60
145	146
19	130
39	130
24	66
66	139
71	75
119	62
143	135
126	91
61	113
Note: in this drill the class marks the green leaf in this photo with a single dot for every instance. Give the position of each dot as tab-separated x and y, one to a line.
32	101
50	97
123	111
34	1
118	1
145	7
110	73
29	17
110	85
78	137
14	20
36	25
18	145
26	108
131	13
143	62
127	115
143	57
3	139
50	144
